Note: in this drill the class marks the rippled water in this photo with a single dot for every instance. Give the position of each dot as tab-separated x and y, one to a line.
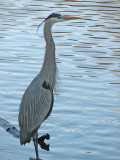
85	121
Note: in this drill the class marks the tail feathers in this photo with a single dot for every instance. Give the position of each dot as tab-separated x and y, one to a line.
26	134
25	137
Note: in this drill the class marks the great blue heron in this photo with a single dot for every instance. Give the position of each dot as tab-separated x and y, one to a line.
37	101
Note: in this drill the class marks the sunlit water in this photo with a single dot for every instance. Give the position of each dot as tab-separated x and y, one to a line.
85	121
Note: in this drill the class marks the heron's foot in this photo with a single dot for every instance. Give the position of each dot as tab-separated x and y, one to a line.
41	142
42	138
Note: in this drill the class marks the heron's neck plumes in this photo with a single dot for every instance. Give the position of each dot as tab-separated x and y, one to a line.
49	65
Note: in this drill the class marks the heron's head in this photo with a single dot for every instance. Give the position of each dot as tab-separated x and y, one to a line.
56	17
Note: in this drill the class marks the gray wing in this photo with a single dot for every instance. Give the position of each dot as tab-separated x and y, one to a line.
35	107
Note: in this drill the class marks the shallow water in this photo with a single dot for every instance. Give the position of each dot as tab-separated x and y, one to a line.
85	121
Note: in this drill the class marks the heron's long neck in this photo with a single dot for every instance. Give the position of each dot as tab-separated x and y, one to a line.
49	65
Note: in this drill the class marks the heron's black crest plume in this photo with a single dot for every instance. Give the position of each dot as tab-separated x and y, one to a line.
54	15
39	26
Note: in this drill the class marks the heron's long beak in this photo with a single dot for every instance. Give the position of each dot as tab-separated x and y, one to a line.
66	17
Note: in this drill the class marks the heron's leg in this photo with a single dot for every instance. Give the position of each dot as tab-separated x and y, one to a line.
35	140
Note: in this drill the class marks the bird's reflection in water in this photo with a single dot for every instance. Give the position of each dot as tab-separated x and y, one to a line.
42	144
